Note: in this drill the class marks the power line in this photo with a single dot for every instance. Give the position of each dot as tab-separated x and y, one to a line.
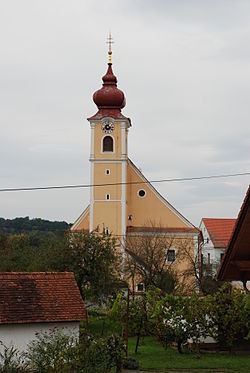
25	189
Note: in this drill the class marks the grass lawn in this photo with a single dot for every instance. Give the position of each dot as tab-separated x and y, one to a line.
152	356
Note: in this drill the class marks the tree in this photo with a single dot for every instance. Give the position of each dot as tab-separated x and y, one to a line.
96	264
154	257
179	319
31	252
230	313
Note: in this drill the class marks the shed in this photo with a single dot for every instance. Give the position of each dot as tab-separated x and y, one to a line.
37	302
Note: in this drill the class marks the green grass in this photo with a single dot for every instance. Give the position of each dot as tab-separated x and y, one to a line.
152	356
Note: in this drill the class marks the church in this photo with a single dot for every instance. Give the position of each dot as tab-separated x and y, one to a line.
122	201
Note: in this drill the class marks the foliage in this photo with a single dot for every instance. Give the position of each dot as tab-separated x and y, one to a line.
53	351
11	360
138	317
59	351
27	225
178	319
34	252
95	264
230	314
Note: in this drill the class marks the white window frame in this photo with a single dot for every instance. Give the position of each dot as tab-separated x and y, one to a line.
171	261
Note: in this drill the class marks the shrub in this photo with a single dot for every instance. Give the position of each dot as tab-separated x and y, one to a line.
11	360
230	313
57	351
53	351
101	355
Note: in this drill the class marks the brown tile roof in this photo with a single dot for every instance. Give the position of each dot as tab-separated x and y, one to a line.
131	229
39	297
219	230
235	264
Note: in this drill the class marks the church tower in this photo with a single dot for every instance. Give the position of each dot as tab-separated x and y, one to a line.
108	157
122	201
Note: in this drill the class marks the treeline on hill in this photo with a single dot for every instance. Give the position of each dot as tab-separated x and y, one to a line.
33	245
27	225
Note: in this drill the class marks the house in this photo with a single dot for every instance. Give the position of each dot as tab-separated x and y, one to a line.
38	302
122	201
216	233
235	265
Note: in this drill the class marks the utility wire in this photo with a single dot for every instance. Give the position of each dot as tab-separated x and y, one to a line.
24	189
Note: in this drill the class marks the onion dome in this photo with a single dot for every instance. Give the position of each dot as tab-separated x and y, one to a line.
109	96
109	99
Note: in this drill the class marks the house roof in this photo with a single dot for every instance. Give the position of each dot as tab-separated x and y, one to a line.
219	230
39	297
235	264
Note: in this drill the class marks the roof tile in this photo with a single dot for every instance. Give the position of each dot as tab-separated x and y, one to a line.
219	230
39	297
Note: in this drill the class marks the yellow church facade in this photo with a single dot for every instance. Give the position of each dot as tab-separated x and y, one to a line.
122	200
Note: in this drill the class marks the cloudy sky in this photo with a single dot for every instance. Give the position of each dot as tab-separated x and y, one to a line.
184	67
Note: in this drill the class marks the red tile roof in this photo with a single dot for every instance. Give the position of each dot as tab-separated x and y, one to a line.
39	297
219	230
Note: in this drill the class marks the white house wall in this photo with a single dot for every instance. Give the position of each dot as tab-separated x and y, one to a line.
20	335
208	248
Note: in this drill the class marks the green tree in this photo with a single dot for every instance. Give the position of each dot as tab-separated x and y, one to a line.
179	319
230	313
96	264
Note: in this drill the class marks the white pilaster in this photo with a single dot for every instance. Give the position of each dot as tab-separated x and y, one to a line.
123	194
92	152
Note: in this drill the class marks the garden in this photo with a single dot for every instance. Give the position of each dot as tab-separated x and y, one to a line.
159	333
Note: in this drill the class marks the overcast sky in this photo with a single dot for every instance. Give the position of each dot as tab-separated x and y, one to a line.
184	67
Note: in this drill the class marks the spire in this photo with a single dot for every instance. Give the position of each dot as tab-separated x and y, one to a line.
109	99
109	42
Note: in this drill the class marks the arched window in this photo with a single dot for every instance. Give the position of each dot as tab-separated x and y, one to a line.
108	144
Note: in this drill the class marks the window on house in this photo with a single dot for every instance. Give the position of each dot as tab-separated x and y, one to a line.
107	172
108	144
170	255
107	196
208	258
221	256
207	240
139	287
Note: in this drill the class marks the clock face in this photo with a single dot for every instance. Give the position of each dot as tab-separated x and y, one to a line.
108	126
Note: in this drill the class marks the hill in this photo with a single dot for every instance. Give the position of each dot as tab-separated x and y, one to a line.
27	225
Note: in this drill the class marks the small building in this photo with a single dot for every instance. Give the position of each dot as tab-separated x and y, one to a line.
216	233
37	302
235	265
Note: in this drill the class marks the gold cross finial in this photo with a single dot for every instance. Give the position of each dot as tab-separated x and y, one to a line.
109	42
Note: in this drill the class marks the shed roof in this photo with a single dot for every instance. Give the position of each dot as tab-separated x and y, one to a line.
39	297
219	230
235	264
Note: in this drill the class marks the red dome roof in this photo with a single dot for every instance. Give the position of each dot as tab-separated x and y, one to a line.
109	98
